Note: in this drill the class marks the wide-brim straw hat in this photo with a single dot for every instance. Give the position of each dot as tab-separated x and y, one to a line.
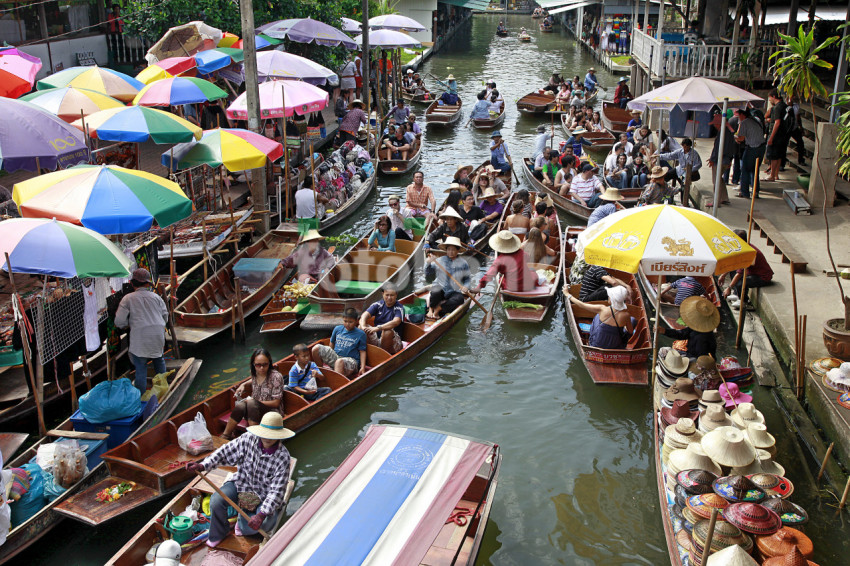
789	512
713	418
657	173
579	131
451	241
692	458
762	464
489	192
793	558
675	364
760	438
746	414
725	535
728	447
450	212
710	397
682	389
455	187
356	101
732	396
271	427
773	484
460	168
591	70
504	242
681	434
611	194
312	235
752	518
635	112
450	77
699	313
731	556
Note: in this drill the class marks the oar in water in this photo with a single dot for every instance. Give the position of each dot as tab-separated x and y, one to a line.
513	169
232	504
455	281
488	318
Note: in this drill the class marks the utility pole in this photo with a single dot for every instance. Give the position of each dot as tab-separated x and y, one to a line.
364	59
252	94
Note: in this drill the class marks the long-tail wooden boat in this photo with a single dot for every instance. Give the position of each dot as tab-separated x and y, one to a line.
602	141
614	118
670	311
490	123
400	166
534	102
346	209
611	367
420	97
667	499
133	553
210	308
543	295
502	32
443	114
547	28
28	532
411	521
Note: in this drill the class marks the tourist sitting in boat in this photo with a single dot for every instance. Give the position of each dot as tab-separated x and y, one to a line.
594	283
701	318
618	174
351	122
623	141
309	259
397	216
396	147
445	295
306	199
577	102
473	216
399	113
303	375
490	205
496	104
562	99
677	291
577	141
517	222
263	470
612	325
658	191
387	316
610	197
493	180
579	120
499	154
419	197
540	161
481	110
622	95
595	124
382	238
566	174
407	84
462	173
412	125
639	171
535	249
551	168
644	138
527	209
586	187
634	124
591	83
684	156
454	200
545	207
510	263
347	351
451	225
257	397
554	81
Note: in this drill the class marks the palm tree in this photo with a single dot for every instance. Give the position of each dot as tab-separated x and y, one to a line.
794	68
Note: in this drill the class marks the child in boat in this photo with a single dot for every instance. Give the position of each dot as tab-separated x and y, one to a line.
303	373
347	341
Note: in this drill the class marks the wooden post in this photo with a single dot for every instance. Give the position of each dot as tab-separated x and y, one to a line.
204	243
313	180
73	388
825	460
843	501
709	536
233	227
655	334
86	371
794	303
237	306
686	190
801	362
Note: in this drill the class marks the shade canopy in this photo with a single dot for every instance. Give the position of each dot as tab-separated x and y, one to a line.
351	26
184	41
68	103
389	39
52	247
214	59
139	124
396	22
166	69
17	72
301	98
178	90
694	93
236	149
282	65
99	79
307	30
105	198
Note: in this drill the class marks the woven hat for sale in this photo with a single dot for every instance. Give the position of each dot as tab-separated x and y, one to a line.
762	464
746	414
838	379
731	556
773	484
782	541
725	535
681	434
728	447
691	458
699	313
790	513
675	364
682	389
752	518
714	417
793	558
681	409
759	437
710	397
696	482
822	365
736	489
733	396
704	503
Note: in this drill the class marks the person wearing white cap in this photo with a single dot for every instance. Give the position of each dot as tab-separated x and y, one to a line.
445	295
612	324
263	470
542	139
452	225
145	313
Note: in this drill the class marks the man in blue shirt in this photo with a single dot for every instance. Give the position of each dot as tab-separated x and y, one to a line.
633	124
388	316
347	341
499	155
590	82
446	295
481	110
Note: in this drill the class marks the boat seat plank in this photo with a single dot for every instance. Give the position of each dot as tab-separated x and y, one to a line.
162	459
85	507
350	287
78	434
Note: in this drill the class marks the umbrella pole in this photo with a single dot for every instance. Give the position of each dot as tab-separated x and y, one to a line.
138	158
655	334
312	182
285	147
85	132
204	251
37	169
27	354
742	308
719	165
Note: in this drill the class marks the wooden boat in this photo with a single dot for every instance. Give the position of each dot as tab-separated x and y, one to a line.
592	98
541	295
210	308
490	123
602	141
614	118
30	531
670	311
334	217
412	523
133	553
534	102
400	166
524	37
679	555
443	114
188	240
547	28
10	442
611	367
356	279
502	32
423	97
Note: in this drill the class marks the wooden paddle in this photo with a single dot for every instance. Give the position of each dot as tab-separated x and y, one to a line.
488	318
231	503
455	281
513	170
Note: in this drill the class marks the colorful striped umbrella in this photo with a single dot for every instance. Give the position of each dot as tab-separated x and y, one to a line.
178	90
212	60
69	102
105	198
236	149
282	65
51	247
166	69
99	79
17	72
227	39
138	124
31	136
301	98
261	41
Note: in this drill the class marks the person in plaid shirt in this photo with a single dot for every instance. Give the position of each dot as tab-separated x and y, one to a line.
419	198
263	469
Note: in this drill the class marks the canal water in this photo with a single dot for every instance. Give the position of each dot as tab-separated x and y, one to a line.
577	484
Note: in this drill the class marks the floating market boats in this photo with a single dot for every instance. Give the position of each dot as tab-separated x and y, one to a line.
535	102
601	140
400	166
670	311
490	123
443	114
614	118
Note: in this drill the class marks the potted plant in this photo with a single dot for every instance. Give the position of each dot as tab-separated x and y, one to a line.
794	66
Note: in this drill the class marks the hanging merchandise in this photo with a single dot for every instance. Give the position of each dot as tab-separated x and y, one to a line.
90	316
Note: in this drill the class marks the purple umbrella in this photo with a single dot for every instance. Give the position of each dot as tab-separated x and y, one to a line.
282	65
396	22
350	25
31	137
307	30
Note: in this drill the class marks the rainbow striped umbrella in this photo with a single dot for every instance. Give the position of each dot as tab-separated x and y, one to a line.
261	41
17	72
227	39
236	149
138	124
51	247
178	90
105	198
212	60
69	102
99	79
166	69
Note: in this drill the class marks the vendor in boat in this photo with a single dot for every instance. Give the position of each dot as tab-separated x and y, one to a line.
500	157
419	198
591	83
445	295
586	187
347	351
510	263
351	121
397	216
396	147
302	373
612	323
610	197
622	95
501	27
255	398
387	316
310	259
577	141
701	318
263	472
451	225
680	289
383	237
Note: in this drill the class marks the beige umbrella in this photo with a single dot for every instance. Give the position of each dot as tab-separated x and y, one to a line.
183	41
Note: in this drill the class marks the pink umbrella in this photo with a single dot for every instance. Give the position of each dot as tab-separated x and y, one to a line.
17	72
301	98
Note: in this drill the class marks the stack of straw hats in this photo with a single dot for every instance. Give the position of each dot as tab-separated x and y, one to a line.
762	464
682	388
725	535
679	436
691	458
670	368
681	409
736	489
728	447
710	397
746	414
714	417
759	437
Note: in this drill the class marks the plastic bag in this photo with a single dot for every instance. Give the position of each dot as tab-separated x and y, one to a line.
69	463
193	437
52	490
159	388
33	500
110	400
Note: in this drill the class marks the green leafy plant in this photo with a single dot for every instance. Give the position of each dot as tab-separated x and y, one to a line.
385	8
743	66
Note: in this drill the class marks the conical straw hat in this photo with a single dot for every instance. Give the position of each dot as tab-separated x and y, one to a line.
762	464
728	447
731	556
693	458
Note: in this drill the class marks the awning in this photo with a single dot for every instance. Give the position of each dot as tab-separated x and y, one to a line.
781	14
573	6
471	4
552	3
